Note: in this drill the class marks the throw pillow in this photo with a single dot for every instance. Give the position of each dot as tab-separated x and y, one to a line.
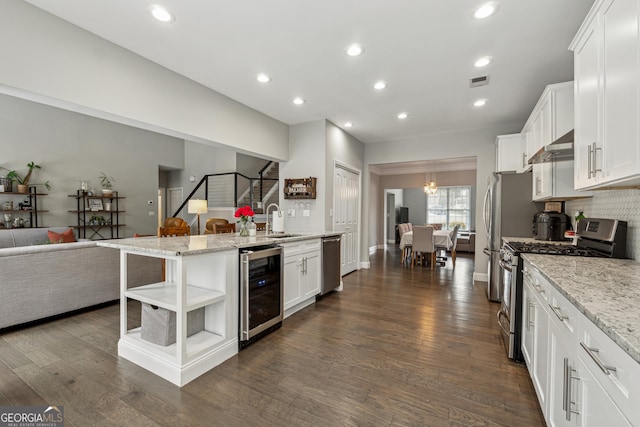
64	237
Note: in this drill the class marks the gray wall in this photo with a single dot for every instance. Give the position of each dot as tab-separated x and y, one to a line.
54	62
306	158
73	147
416	201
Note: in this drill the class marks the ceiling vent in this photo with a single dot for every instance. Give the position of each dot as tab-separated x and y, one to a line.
479	81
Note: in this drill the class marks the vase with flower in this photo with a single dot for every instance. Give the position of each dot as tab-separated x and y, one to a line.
244	215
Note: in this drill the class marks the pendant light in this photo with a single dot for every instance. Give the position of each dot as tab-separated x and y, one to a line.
430	187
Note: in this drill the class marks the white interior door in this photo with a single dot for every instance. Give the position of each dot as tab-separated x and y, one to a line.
345	215
391	218
174	200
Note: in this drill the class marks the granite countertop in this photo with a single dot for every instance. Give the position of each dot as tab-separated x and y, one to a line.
606	290
192	245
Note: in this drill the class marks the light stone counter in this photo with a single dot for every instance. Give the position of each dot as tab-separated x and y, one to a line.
191	245
605	290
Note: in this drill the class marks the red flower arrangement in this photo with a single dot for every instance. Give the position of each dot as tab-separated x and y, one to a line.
244	213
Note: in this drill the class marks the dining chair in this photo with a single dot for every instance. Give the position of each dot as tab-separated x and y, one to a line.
224	228
454	241
423	244
208	227
174	227
261	226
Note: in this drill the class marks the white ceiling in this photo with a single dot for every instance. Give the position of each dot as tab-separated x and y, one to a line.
424	49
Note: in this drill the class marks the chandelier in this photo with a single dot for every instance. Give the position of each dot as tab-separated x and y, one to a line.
430	187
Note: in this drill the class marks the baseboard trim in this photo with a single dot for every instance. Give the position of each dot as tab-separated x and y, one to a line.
480	277
365	264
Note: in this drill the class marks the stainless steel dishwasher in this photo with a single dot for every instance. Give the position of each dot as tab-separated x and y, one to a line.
330	264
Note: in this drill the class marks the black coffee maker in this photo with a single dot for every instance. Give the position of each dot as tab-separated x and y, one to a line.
550	226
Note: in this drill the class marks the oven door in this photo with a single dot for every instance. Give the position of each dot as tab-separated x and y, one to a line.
508	270
261	291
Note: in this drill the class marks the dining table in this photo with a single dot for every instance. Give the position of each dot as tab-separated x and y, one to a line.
441	238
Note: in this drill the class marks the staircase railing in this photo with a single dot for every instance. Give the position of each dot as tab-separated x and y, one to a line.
215	189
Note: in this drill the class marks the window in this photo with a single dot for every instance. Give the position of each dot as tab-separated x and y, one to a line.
450	206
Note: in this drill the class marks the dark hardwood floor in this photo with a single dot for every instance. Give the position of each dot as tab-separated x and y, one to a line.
398	347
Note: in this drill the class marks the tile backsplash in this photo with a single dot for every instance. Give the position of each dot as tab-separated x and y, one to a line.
614	204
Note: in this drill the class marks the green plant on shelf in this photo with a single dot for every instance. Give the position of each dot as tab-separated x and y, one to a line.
25	180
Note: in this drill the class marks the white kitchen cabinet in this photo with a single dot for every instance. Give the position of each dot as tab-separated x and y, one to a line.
508	153
607	75
524	154
535	332
563	380
613	369
594	407
302	274
587	379
551	118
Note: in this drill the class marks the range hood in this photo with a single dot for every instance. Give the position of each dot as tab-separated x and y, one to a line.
559	150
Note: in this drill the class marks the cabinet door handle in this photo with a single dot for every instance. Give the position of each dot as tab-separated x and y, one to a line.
567	398
529	324
595	158
556	311
592	354
590	161
524	160
565	389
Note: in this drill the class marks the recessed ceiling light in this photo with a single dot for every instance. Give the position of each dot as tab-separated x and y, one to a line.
298	101
348	125
380	85
480	103
485	10
482	62
161	14
355	50
403	116
263	78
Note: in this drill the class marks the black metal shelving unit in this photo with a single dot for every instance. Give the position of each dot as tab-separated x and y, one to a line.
109	228
32	210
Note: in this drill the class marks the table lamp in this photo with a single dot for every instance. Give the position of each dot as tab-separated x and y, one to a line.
197	207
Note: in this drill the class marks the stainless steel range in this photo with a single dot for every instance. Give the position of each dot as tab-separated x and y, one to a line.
595	237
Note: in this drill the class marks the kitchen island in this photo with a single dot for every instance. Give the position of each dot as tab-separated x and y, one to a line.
201	273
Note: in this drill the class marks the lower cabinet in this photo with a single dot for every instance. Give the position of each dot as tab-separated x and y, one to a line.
595	408
581	377
302	274
535	339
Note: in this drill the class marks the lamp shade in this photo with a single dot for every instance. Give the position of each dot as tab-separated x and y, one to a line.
197	206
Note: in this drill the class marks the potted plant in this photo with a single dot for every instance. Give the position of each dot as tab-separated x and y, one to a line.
23	182
107	184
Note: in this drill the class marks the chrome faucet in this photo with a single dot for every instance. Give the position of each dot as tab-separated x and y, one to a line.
267	211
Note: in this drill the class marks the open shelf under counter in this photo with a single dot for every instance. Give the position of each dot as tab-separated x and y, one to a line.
197	344
204	351
164	294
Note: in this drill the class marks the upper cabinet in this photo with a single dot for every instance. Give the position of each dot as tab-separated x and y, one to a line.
509	155
607	99
551	118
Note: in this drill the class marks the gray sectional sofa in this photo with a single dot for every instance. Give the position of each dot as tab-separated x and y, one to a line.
39	280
